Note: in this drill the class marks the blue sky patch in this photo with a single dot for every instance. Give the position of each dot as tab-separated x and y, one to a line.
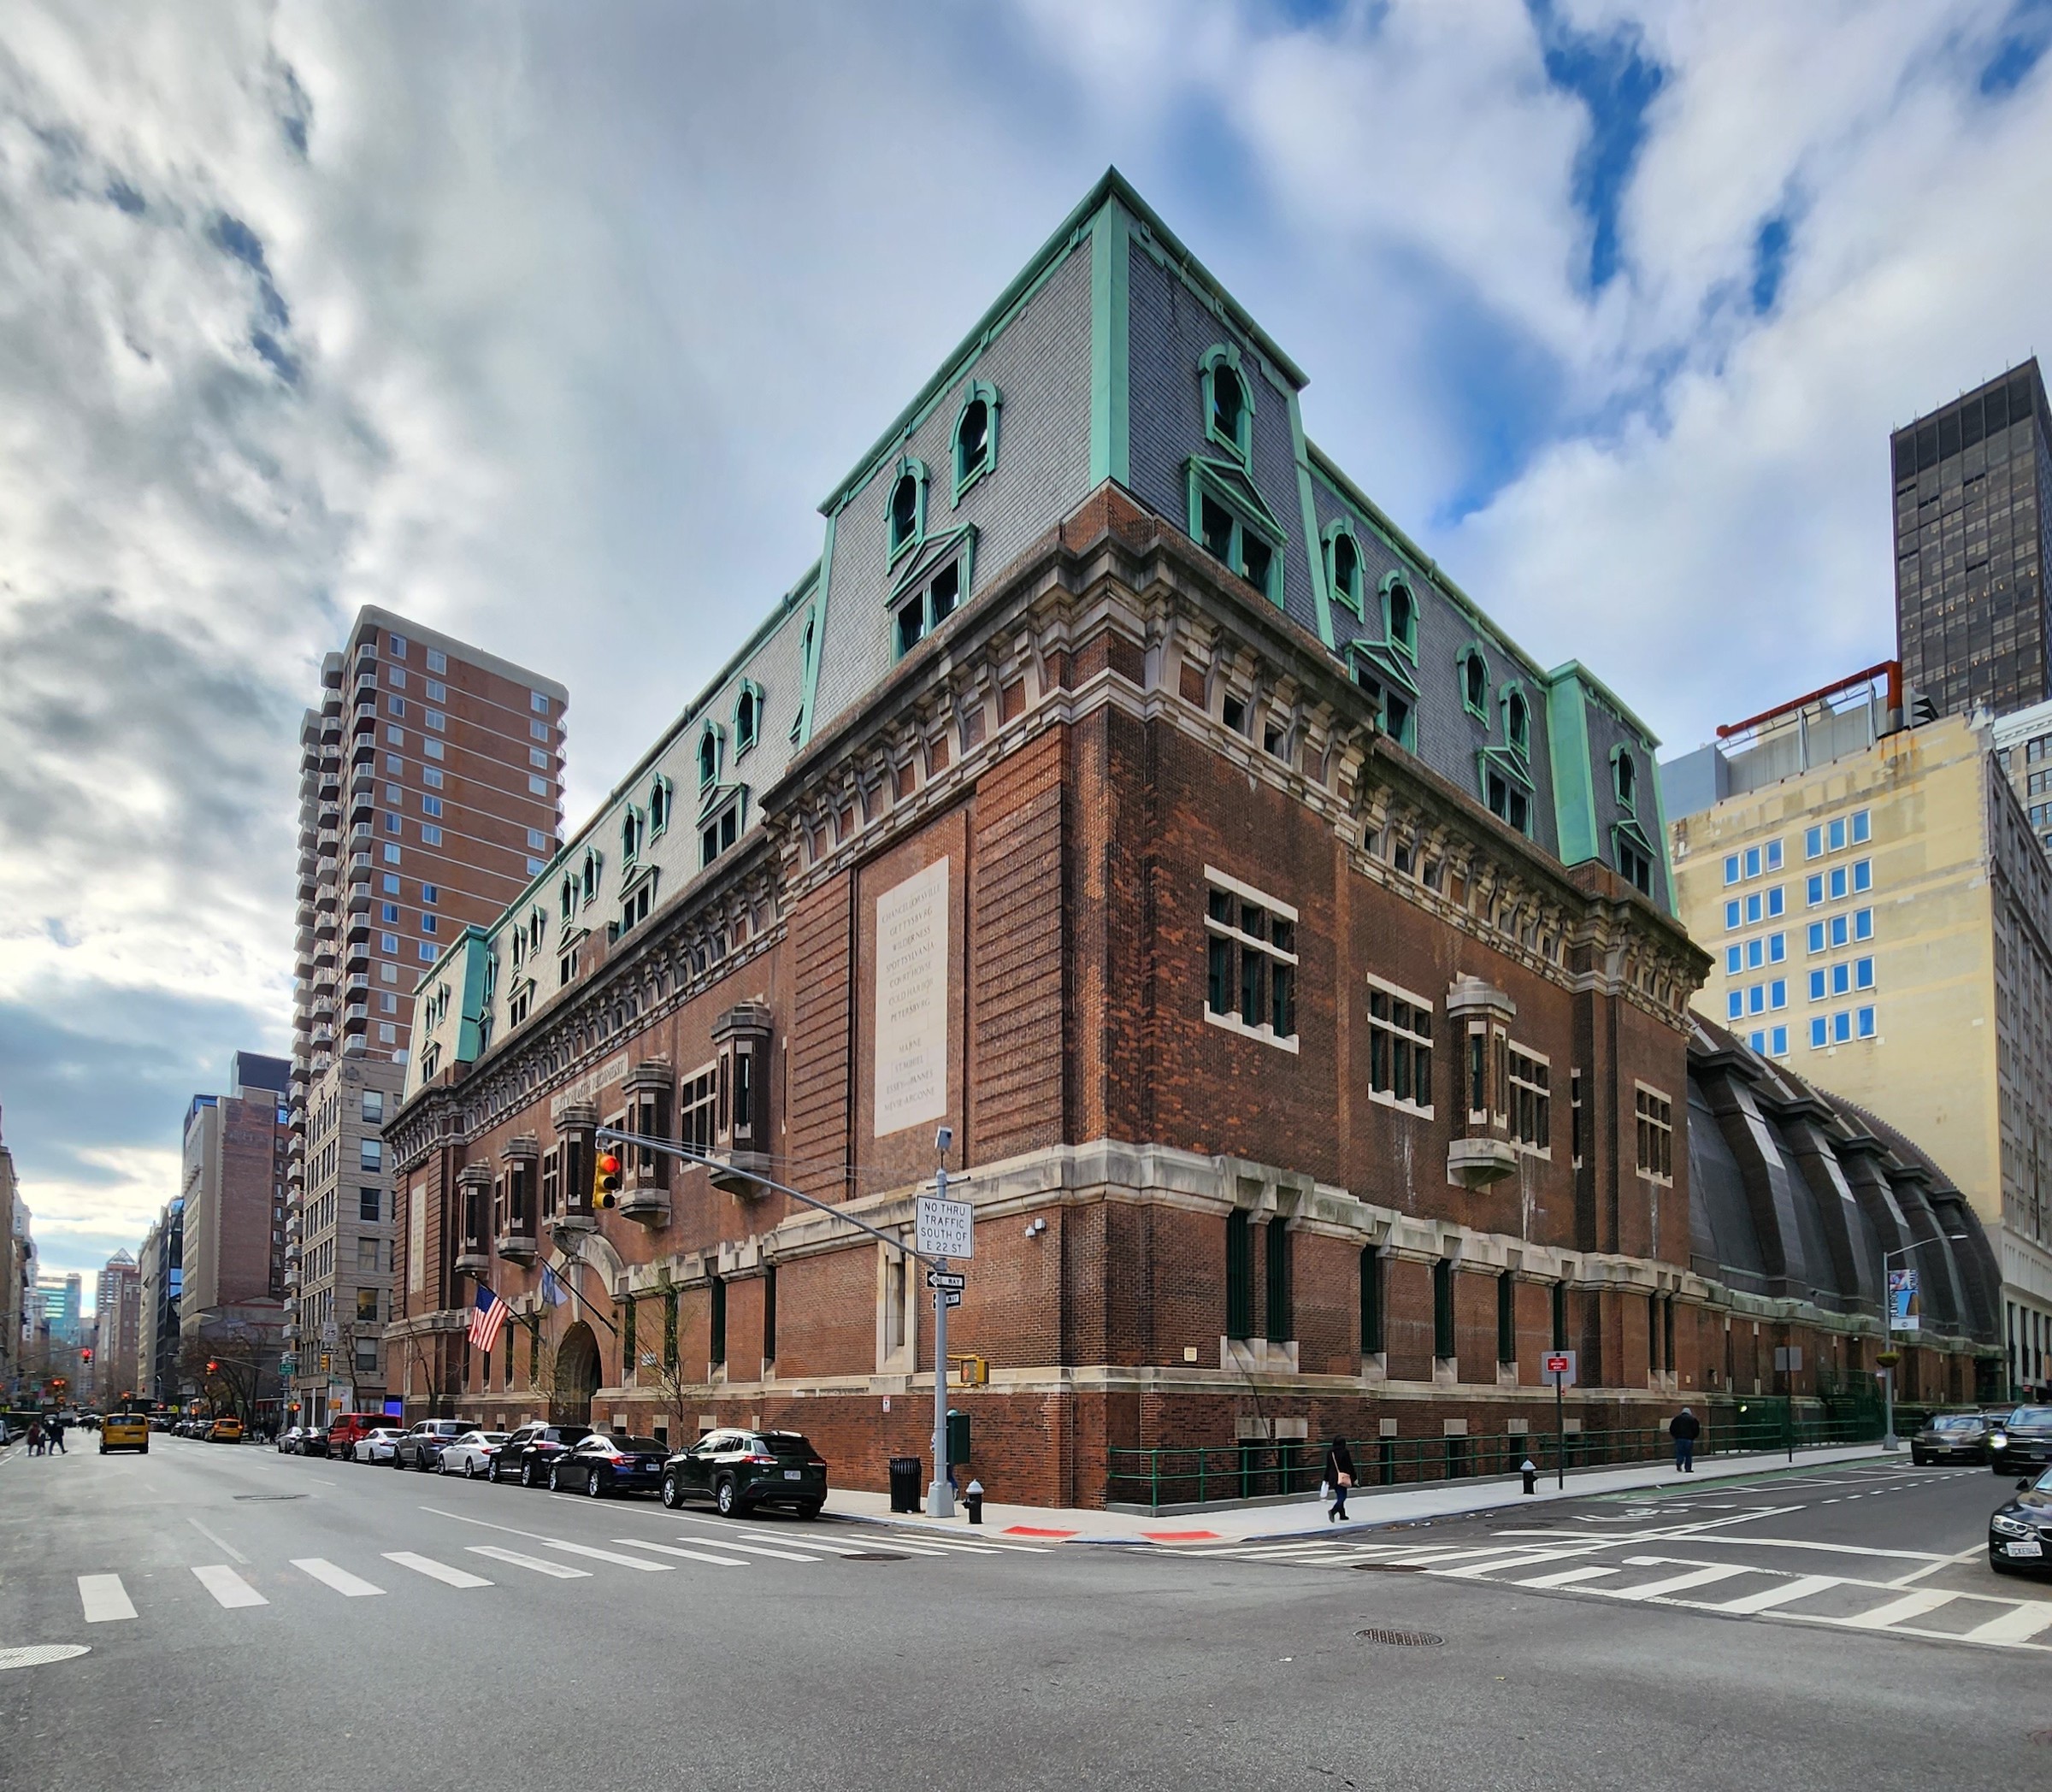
2025	34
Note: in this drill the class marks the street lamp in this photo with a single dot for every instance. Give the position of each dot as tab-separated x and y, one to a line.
1889	1440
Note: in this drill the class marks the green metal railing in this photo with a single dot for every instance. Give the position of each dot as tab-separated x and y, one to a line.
1261	1469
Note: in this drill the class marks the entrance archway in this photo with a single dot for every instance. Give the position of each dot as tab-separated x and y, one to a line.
576	1376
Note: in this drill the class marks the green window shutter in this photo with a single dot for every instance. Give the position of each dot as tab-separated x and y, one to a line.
1239	1275
1278	1329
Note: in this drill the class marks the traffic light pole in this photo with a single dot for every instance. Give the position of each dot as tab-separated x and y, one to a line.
940	1496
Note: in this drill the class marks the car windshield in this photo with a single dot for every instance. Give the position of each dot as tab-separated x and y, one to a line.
789	1443
1956	1424
2044	1481
643	1446
2032	1416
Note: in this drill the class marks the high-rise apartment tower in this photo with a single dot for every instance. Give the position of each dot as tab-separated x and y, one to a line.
1973	566
430	795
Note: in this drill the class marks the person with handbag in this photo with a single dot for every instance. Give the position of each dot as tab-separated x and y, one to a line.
1339	1476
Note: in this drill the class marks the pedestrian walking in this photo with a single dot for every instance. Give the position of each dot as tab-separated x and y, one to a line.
1684	1427
56	1437
1339	1476
35	1437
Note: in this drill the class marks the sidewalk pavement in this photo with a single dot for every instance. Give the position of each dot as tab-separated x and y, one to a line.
1372	1508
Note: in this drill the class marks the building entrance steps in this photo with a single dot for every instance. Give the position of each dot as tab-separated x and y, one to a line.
1370	1507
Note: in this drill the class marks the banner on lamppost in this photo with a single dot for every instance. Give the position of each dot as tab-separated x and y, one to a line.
1902	1300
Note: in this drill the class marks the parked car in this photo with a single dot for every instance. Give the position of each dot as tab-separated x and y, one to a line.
125	1431
419	1447
2020	1532
2022	1442
526	1455
376	1446
1950	1437
739	1470
347	1430
290	1439
602	1465
471	1455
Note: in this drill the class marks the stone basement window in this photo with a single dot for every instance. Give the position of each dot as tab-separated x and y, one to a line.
1656	1134
1251	962
1399	1048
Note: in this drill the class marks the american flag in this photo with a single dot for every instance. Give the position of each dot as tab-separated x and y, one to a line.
486	1319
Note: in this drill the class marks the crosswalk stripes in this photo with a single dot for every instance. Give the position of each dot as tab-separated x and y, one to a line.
228	1588
1677	1582
1803	1586
433	1570
695	1555
2019	1626
347	1584
557	1570
104	1599
1911	1605
1568	1577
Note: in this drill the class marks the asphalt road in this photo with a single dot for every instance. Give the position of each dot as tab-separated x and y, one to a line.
319	1625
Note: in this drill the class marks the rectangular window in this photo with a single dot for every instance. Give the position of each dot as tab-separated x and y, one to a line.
1732	868
1816	936
537	703
391	824
1443	1344
537	841
1813	843
437	660
395	706
1278	1327
1816	892
433	749
431	835
426	953
367	1304
1842	1028
538	758
1756	952
696	1103
1239	1275
1507	1318
389	913
395	737
437	691
1372	1343
1835	834
1862	832
1863	923
1773	855
394	765
1817	979
1735	1006
374	1107
537	787
1863	875
437	720
370	1153
369	1206
1818	1032
1863	973
431	776
1732	915
1575	1122
1842	979
1400	1047
1752	908
388	942
432	806
1778	994
1780	1041
1655	1135
1733	961
718	1327
1752	861
427	923
1866	1019
1250	961
431	894
1838	930
538	730
1531	1102
1778	948
1756	998
1837	883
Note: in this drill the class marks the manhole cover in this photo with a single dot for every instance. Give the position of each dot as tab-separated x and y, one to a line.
1386	1568
1403	1639
266	1499
36	1653
871	1555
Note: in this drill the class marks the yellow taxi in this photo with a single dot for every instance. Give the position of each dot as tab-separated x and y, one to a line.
224	1430
125	1431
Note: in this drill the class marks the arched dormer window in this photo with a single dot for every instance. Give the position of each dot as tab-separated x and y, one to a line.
1624	777
976	436
589	879
1517	720
709	756
907	519
633	825
748	715
659	799
1399	615
570	897
1474	681
1228	401
1343	566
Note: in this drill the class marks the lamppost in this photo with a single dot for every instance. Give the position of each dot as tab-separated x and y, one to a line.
1889	1440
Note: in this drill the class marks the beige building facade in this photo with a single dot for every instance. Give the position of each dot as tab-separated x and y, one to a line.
1880	912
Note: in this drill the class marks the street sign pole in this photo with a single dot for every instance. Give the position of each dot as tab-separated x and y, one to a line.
939	1497
1559	1434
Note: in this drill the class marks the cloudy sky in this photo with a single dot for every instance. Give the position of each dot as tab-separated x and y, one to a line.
552	325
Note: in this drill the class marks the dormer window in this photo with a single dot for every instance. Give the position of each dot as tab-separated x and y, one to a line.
589	879
658	806
537	926
570	897
633	825
924	610
1475	683
1400	617
709	756
975	436
1624	774
1343	567
1228	405
1228	536
907	513
1516	721
748	715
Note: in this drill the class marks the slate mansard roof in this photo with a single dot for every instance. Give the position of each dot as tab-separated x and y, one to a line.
1095	364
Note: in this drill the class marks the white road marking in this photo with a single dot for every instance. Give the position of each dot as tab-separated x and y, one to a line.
564	1544
689	1555
1475	1571
787	1555
340	1579
1801	1586
1965	1555
435	1571
227	1587
104	1598
2019	1626
1567	1577
1911	1605
221	1543
1676	1583
560	1571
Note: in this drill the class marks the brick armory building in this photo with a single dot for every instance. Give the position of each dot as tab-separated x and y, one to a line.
1292	956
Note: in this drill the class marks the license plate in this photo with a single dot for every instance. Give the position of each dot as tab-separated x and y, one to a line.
794	1474
2029	1546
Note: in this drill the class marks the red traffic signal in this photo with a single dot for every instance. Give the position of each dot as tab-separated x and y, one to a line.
212	1365
606	1188
86	1355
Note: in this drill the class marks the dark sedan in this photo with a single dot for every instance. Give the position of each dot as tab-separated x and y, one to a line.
421	1447
528	1454
602	1465
2022	1442
740	1469
2020	1533
1951	1437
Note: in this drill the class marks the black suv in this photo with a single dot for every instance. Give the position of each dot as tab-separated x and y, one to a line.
528	1454
2021	1443
421	1447
740	1470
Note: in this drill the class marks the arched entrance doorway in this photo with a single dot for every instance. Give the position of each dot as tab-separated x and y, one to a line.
576	1377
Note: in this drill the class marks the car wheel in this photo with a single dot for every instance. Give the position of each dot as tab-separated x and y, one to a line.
103	1449
808	1508
726	1497
673	1493
591	1484
441	1466
527	1474
491	1471
469	1468
555	1480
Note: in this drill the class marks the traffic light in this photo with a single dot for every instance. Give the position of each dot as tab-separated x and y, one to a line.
86	1355
605	1182
212	1366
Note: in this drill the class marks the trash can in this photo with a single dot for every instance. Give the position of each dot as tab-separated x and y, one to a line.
904	1483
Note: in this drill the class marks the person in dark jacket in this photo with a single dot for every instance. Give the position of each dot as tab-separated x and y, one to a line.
1684	1427
1339	1476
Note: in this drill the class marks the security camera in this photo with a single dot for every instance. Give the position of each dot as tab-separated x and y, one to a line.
944	1140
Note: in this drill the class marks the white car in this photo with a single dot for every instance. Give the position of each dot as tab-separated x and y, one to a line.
471	1455
376	1446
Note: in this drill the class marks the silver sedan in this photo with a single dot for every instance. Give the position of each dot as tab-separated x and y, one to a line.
471	1454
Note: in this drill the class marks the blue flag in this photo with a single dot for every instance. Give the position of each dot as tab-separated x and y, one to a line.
552	1289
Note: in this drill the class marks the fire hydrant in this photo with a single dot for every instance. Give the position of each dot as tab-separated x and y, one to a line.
1530	1470
972	1500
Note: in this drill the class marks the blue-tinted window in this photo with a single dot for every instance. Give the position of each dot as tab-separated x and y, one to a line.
1756	998
1732	868
1842	979
1756	953
1842	1028
1813	843
1816	891
1731	916
390	915
1731	961
1838	927
1818	1035
1863	923
1758	1040
1775	904
1863	874
1774	855
1816	936
1752	908
1835	834
1866	1023
1777	947
1816	986
1781	1042
1837	883
1735	1006
1752	861
1778	994
1859	827
1863	973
